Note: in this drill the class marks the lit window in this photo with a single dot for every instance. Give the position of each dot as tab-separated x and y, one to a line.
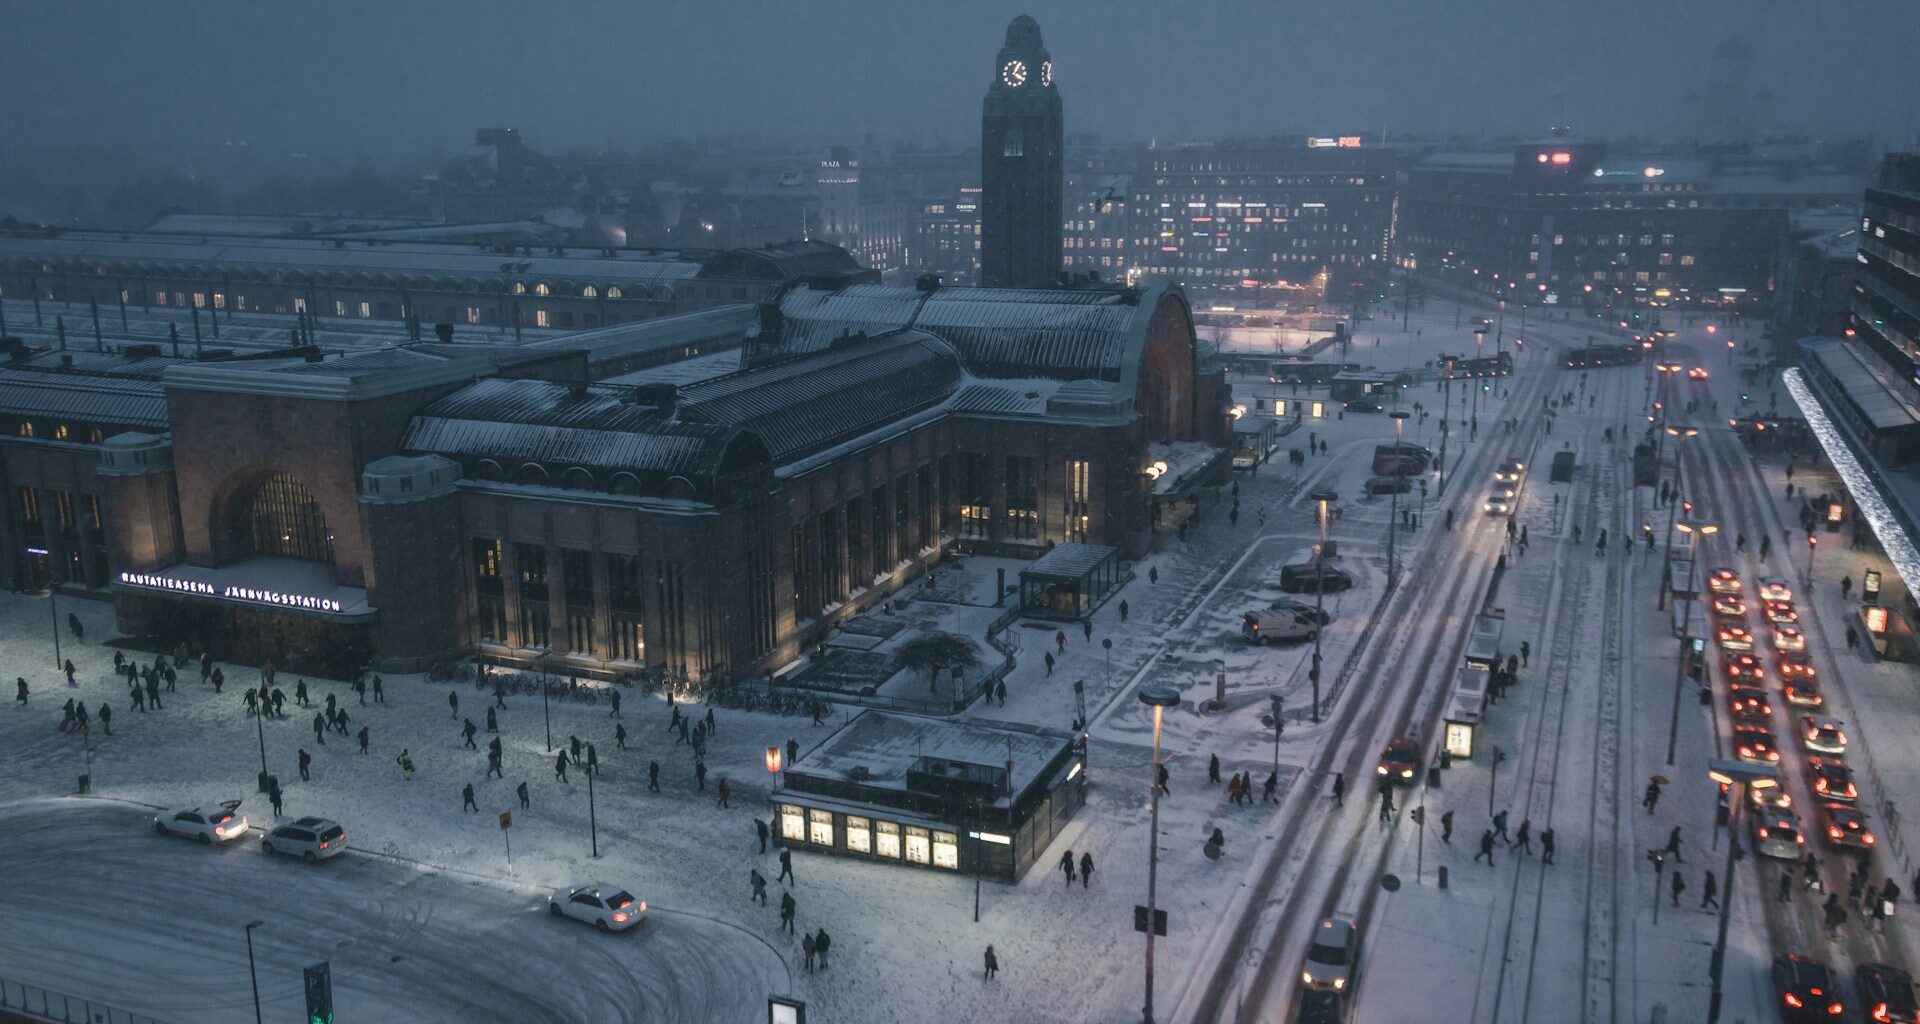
613	293
590	292
820	827
26	428
473	314
366	311
542	289
859	834
793	823
540	318
519	288
60	432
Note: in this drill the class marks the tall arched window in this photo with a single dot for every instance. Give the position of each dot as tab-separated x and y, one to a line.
282	518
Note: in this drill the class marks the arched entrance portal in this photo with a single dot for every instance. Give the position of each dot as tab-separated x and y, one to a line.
278	517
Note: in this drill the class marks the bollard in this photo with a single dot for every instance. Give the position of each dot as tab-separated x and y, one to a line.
86	784
1443	876
1433	775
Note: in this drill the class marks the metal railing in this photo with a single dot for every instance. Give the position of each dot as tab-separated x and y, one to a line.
31	1002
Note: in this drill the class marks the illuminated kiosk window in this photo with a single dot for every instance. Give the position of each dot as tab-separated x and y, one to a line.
1279	407
919	845
820	827
886	839
946	851
1317	410
859	834
793	823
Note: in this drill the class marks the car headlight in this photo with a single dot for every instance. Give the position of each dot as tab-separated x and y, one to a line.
1406	773
1382	769
1339	983
1306	977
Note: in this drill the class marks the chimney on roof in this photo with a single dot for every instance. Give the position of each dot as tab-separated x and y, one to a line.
927	283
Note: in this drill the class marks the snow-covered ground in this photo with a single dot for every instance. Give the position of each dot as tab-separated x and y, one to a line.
906	944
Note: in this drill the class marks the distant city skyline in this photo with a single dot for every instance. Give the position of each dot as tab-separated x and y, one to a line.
356	77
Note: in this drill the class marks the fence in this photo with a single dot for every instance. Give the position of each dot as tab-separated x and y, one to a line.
30	1003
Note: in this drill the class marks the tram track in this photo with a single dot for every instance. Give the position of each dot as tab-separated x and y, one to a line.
1462	576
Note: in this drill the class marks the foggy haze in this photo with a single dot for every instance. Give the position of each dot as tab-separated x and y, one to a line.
394	81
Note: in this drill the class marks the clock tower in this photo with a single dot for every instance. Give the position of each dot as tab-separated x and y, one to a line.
1020	165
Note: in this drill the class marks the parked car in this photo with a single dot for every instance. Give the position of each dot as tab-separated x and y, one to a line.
1846	825
1400	762
1755	744
309	839
609	908
213	823
1299	607
1831	779
1822	735
1363	405
1885	993
1332	955
1805	988
1776	833
1389	485
1276	627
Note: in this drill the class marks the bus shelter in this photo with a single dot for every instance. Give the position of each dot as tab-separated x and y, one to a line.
1069	581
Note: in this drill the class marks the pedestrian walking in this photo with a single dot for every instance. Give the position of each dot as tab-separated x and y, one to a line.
560	766
759	883
1651	798
1340	789
653	776
1267	790
153	693
1153	574
1673	845
613	698
300	692
493	723
1523	839
1386	803
106	715
1546	846
1709	892
1213	769
1526	653
1486	847
760	830
786	867
363	739
405	761
360	690
306	762
619	736
1123	610
1835	915
1165	789
379	694
1446	828
493	765
593	760
700	774
1086	869
466	795
992	964
1675	886
1086	629
521	792
725	792
1500	826
787	907
1049	660
453	702
573	745
806	949
467	732
1066	868
821	943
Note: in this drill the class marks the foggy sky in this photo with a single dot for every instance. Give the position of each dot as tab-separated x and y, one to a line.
404	76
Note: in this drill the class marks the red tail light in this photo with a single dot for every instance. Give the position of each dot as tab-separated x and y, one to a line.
1880	1012
1794	1001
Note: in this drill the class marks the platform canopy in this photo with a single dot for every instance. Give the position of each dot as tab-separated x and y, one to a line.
1069	581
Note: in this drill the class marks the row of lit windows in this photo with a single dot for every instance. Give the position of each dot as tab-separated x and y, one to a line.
586	291
61	432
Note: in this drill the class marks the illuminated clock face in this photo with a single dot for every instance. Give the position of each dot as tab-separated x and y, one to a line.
1046	73
1014	74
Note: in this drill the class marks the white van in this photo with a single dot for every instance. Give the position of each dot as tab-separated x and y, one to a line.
1277	626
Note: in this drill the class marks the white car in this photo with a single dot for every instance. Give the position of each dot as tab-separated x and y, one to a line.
1776	833
309	839
1331	956
1774	588
606	907
1499	502
214	823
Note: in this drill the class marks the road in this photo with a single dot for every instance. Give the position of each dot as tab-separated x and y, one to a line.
95	903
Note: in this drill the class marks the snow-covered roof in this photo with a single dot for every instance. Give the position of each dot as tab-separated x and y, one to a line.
82	398
878	748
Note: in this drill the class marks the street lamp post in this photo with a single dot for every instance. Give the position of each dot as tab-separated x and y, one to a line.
1322	497
1277	725
1159	697
1393	517
251	975
1479	346
1812	542
260	731
1694	529
1735	775
53	616
593	822
1679	432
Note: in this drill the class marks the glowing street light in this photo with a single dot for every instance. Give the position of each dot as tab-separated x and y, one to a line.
1694	529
